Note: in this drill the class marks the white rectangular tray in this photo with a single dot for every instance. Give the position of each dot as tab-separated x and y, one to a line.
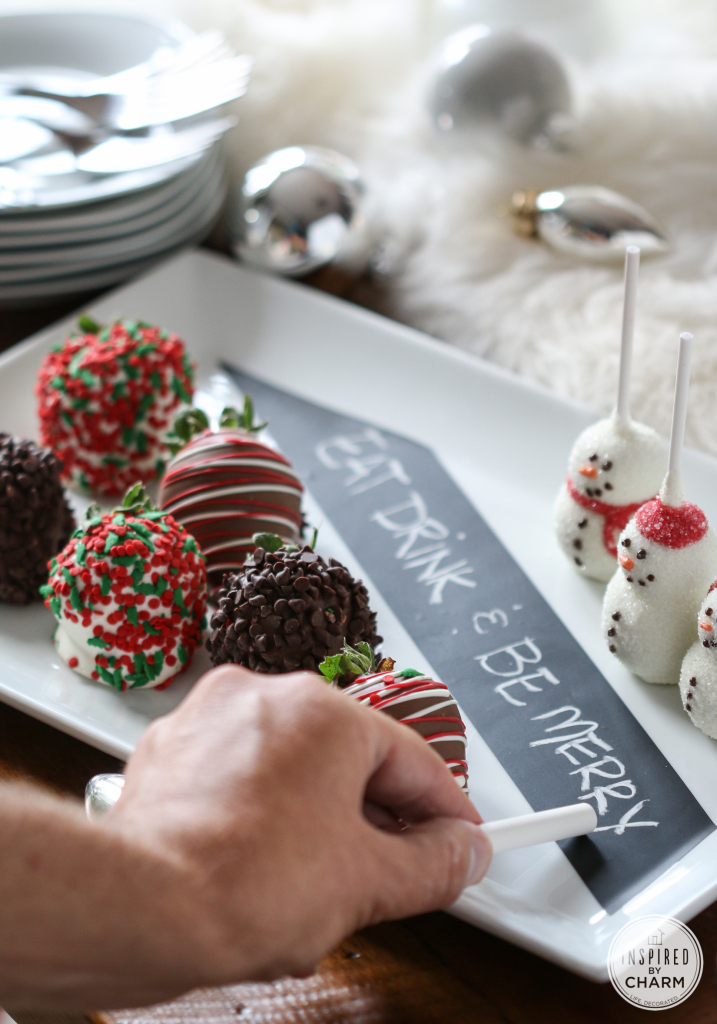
505	442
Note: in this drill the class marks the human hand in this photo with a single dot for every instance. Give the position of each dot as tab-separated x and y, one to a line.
264	794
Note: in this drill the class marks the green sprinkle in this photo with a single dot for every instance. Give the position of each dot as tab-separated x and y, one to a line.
88	325
87	378
97	641
150	629
141	442
190	544
161	586
146	348
155	380
105	584
112	539
132	615
97	521
409	673
118	519
137	576
75	599
69	578
179	601
107	676
66	418
127	435
58	382
80	403
113	460
144	406
80	553
174	570
182	655
118	391
117	676
47	590
180	391
124	560
56	606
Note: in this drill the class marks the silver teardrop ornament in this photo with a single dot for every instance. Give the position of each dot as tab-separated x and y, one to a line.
587	221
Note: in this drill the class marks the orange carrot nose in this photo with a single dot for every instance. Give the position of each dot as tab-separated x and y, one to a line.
588	471
707	626
626	562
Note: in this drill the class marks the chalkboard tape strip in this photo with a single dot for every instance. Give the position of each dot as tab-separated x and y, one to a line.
541	827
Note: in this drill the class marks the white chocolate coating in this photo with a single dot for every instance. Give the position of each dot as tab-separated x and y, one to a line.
698	678
612	466
655	622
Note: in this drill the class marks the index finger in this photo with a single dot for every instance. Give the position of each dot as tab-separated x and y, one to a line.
409	778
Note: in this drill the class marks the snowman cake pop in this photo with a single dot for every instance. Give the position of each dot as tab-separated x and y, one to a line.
667	560
615	466
698	678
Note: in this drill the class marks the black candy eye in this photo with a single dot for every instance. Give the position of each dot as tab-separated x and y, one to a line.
627	542
641	553
607	465
708	611
593	457
607	486
651	578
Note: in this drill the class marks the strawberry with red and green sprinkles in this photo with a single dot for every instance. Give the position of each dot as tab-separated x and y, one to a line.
129	592
108	398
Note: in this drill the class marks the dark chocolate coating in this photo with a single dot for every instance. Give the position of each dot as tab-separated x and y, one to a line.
35	518
287	611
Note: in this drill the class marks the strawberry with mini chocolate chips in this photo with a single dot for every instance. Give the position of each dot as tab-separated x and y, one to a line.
288	609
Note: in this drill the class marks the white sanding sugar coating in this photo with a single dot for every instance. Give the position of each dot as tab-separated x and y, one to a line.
668	559
614	467
698	679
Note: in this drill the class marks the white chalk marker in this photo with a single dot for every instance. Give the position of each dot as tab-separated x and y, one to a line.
541	827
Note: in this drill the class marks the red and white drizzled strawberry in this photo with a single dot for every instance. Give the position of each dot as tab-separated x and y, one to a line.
225	486
409	697
129	593
107	401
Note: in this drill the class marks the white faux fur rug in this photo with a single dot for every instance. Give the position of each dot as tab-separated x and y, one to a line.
351	74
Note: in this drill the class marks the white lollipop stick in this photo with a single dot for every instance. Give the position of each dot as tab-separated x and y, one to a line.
541	827
672	492
632	267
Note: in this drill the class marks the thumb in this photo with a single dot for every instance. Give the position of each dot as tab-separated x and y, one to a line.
427	866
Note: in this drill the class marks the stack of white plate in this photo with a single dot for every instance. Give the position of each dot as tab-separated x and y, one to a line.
64	231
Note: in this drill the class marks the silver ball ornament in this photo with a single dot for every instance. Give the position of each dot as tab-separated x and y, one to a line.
296	211
503	83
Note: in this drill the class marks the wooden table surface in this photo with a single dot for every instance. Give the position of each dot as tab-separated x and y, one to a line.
431	969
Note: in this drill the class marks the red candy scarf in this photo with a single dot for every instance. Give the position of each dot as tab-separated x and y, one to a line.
616	516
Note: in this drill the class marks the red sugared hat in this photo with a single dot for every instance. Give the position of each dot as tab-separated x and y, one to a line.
671	526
